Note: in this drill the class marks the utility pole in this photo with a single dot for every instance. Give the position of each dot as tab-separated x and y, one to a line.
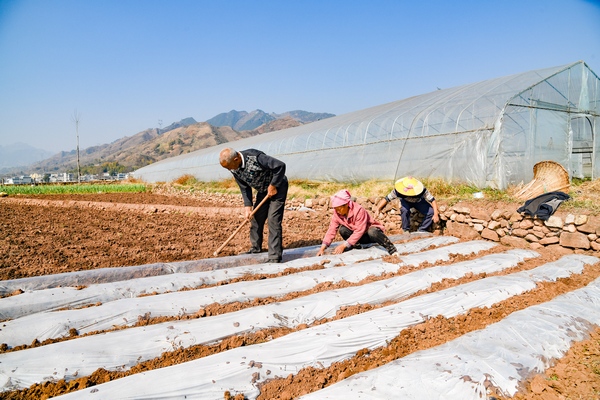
75	119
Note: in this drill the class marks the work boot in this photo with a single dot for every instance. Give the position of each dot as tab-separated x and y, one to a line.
389	246
253	250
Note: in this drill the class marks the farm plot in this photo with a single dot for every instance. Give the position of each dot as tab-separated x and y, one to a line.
309	325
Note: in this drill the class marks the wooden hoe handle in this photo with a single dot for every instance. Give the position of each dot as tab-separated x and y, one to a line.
241	225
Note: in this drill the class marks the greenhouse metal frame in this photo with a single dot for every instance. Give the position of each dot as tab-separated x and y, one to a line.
486	134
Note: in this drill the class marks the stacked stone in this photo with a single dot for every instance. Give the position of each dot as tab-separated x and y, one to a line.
515	229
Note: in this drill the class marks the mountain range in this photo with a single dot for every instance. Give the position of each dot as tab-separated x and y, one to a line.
155	144
21	154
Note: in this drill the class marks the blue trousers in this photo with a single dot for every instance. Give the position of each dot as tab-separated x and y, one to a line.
421	206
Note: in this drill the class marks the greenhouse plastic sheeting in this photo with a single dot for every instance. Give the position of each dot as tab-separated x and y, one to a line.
503	355
126	312
242	369
33	301
82	356
489	133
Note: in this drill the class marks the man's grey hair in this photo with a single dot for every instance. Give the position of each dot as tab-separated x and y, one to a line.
227	155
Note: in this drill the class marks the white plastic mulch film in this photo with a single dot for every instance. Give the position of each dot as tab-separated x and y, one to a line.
526	342
489	134
503	353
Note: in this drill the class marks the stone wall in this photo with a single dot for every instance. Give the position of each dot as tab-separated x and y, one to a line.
495	221
512	228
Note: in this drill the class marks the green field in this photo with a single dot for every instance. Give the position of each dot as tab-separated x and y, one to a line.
73	189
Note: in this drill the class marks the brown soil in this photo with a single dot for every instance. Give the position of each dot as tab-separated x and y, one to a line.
42	235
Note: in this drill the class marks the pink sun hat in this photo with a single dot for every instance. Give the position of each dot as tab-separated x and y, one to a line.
340	198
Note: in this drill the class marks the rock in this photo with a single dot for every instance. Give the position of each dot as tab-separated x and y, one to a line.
520	232
493	225
569	219
549	240
531	238
570	228
461	231
538	234
516	217
490	235
554	222
591	226
514	242
496	215
526	224
461	210
575	240
480	214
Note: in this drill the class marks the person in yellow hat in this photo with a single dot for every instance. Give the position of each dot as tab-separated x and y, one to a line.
412	194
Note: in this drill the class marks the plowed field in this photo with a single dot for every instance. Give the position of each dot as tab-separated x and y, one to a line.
44	235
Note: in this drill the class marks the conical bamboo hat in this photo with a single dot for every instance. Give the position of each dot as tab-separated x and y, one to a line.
548	176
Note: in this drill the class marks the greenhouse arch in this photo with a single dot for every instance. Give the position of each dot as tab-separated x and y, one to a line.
487	134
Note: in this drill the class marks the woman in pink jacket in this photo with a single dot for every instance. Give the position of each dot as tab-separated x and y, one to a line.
355	225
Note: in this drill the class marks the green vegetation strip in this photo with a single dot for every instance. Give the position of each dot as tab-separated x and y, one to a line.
72	189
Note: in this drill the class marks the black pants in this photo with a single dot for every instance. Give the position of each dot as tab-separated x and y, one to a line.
271	211
372	235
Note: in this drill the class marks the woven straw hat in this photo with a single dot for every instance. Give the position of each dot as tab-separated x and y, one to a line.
548	176
409	186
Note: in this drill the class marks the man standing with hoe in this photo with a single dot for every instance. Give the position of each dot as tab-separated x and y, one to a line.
254	169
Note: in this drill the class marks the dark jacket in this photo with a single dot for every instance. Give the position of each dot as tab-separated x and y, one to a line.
544	205
258	171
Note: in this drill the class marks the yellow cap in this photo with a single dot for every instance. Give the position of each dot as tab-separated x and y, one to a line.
409	186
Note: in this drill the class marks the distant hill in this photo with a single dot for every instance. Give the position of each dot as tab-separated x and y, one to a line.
242	120
144	148
20	155
181	137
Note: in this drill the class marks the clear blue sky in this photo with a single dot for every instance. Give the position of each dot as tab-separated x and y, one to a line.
123	65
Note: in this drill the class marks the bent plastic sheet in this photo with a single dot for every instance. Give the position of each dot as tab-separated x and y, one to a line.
126	312
240	370
503	354
125	348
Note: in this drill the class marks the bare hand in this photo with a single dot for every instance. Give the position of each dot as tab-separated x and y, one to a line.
321	251
247	211
339	249
271	191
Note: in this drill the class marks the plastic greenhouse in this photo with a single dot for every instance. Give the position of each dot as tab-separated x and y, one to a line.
488	134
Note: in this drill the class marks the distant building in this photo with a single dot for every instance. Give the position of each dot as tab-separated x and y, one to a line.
19	180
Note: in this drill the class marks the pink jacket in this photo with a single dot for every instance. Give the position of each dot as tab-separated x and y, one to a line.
358	221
